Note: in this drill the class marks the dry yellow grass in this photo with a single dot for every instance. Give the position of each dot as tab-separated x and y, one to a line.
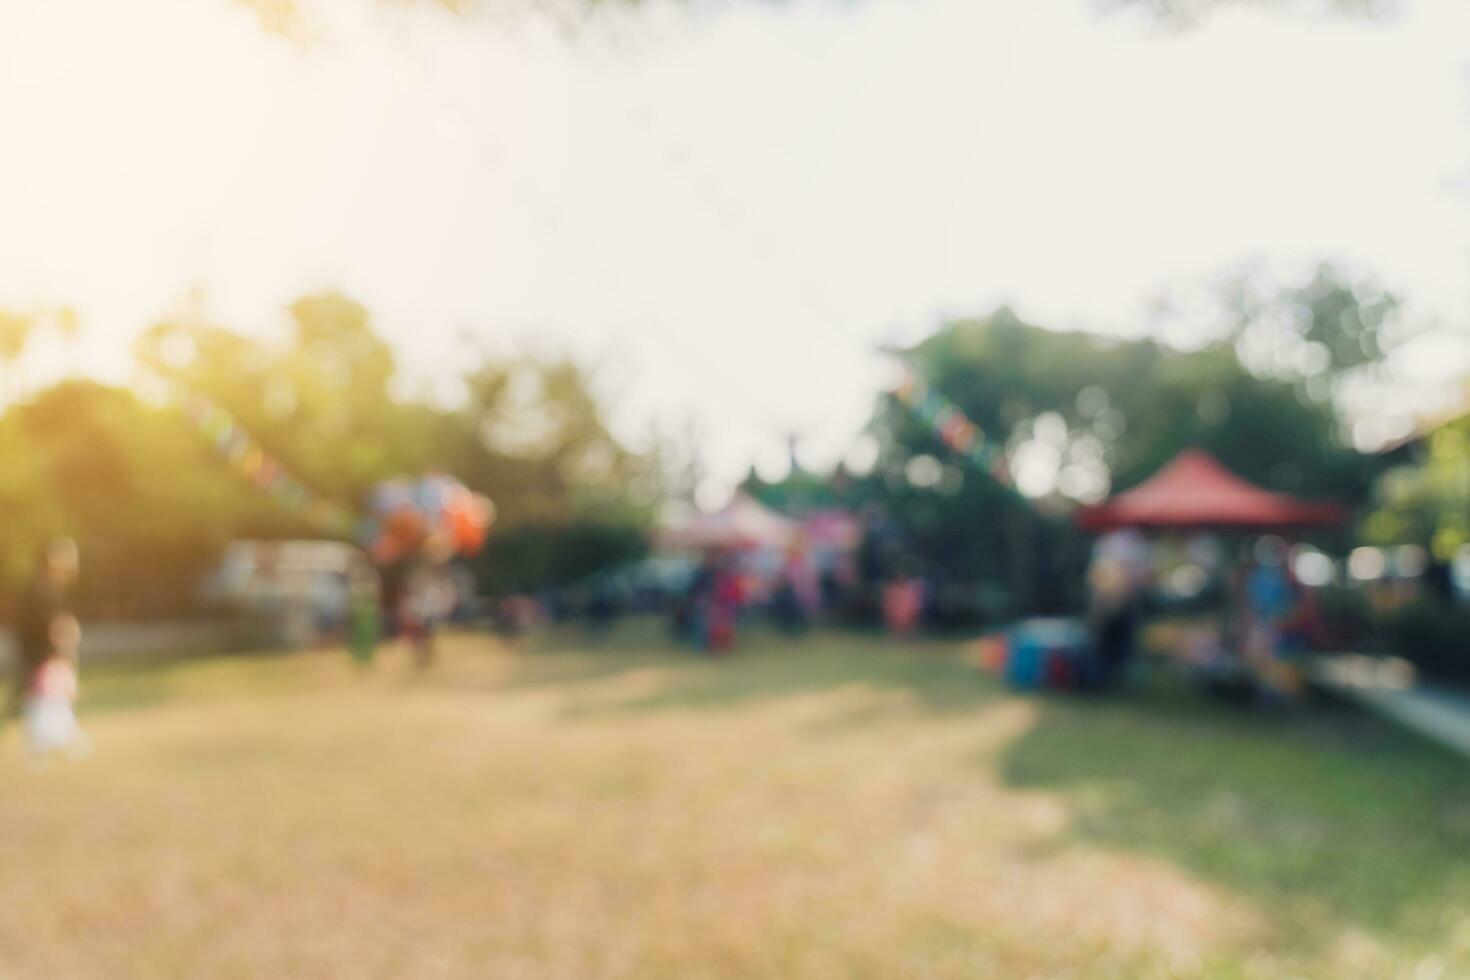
831	808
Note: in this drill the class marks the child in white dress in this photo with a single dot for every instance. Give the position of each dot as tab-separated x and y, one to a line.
50	715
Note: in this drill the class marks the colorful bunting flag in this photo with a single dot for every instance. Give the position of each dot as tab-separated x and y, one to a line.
962	436
250	459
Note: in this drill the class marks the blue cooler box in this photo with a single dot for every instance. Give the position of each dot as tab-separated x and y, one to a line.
1034	642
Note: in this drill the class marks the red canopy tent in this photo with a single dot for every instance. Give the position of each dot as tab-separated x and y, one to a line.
1195	491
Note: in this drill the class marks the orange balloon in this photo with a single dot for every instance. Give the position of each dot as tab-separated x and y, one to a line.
385	551
469	517
405	529
439	546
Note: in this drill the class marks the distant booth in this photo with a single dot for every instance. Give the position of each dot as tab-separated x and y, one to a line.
832	537
745	530
765	543
1194	492
1174	535
1264	617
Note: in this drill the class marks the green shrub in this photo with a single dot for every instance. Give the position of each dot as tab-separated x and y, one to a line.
1348	621
1432	636
532	557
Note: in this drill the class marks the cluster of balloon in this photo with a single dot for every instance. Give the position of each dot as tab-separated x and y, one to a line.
435	517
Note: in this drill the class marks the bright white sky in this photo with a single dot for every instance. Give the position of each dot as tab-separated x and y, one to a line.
729	211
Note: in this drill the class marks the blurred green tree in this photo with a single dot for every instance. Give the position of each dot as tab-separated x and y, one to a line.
1425	498
134	483
531	433
286	17
1189	13
153	502
319	399
15	335
1080	415
1329	331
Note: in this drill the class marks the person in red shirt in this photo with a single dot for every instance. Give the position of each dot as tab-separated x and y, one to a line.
903	601
726	597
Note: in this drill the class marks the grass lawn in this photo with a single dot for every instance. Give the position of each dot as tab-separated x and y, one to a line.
833	807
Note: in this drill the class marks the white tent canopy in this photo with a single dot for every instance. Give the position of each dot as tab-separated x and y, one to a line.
743	523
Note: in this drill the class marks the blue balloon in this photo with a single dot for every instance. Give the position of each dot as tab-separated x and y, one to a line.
431	495
392	495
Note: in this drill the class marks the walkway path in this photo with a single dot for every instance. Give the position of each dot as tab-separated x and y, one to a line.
1388	686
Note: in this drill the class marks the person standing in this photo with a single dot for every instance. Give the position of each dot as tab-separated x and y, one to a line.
691	613
1115	579
1270	599
1111	618
50	714
726	597
364	612
428	601
45	625
903	600
796	595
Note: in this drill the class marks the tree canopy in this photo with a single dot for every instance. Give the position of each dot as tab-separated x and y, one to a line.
153	501
1079	416
286	16
1424	498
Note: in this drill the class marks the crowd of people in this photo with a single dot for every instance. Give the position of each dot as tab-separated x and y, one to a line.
729	586
1266	621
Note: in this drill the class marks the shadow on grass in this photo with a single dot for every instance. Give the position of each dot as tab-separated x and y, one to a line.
138	681
765	666
135	681
1325	818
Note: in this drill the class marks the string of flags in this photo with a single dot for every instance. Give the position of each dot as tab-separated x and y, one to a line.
251	461
961	436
